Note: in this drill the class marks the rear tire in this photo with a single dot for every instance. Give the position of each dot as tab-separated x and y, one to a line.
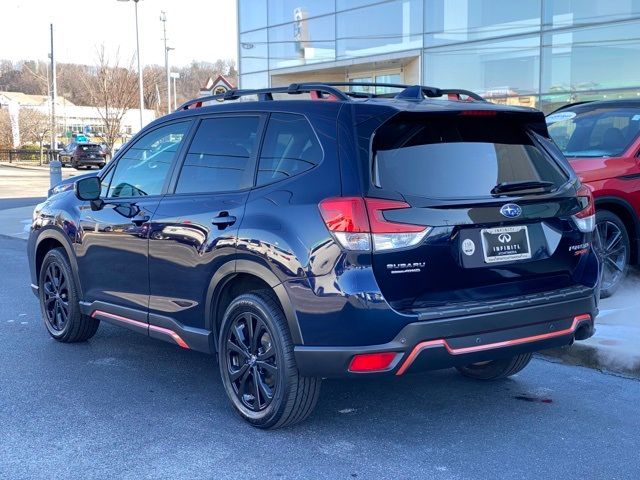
496	369
611	242
258	367
59	299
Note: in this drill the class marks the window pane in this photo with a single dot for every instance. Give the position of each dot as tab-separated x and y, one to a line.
564	13
601	132
290	148
499	69
142	170
253	14
254	80
219	156
285	11
592	59
253	51
303	42
452	21
382	28
347	4
458	158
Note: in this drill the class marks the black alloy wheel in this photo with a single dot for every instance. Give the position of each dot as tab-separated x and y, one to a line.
611	243
251	361
59	300
56	297
258	366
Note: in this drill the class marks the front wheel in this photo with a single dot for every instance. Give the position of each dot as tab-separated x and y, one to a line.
258	367
59	301
611	242
496	369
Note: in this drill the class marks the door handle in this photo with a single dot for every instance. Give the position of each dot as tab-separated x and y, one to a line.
138	221
223	220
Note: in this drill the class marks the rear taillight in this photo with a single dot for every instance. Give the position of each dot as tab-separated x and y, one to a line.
359	224
372	362
585	219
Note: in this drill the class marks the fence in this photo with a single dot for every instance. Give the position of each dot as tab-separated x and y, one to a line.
25	157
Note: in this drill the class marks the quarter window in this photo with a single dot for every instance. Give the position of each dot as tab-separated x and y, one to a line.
290	148
219	158
143	169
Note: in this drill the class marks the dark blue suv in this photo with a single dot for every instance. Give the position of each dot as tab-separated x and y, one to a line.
344	234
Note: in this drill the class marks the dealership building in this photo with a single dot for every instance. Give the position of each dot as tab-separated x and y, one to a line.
538	53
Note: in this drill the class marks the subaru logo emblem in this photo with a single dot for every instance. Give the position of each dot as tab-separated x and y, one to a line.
511	210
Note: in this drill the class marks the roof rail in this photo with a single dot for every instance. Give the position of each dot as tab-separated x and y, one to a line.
267	93
408	92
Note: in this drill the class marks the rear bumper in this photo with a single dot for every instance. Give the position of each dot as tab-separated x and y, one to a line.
90	161
436	344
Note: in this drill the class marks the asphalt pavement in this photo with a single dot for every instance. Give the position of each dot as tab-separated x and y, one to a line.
126	406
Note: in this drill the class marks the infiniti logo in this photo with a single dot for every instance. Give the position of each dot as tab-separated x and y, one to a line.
511	210
504	238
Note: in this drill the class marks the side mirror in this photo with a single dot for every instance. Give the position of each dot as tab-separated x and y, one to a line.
88	188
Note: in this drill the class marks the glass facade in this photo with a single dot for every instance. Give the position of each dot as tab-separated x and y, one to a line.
540	53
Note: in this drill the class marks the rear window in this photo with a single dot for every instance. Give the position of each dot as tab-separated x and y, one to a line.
89	147
453	157
598	132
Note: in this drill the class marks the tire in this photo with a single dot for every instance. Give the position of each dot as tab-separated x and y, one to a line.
60	296
612	244
496	369
267	361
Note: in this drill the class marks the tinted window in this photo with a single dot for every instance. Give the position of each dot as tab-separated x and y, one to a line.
290	148
143	168
458	158
602	132
219	156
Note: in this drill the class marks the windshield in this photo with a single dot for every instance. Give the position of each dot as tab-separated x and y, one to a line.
456	158
601	132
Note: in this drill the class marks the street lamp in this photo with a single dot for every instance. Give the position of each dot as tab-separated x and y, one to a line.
140	86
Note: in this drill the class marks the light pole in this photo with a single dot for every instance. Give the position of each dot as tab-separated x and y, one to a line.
140	86
175	76
163	19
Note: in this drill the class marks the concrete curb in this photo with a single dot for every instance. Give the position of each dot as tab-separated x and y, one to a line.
37	168
596	357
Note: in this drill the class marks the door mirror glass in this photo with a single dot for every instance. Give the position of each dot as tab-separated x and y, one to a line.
88	188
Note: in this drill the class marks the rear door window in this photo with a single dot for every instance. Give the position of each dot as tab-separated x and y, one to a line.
220	156
290	148
456	158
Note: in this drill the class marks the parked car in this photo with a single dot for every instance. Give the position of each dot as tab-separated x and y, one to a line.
83	154
602	142
342	235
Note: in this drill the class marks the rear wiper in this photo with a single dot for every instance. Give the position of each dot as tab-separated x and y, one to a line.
519	186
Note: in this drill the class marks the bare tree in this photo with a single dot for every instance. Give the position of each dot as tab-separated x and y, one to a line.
6	136
35	127
112	89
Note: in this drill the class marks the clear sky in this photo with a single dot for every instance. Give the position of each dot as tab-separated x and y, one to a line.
203	30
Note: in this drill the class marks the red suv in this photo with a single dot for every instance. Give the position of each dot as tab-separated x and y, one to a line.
602	142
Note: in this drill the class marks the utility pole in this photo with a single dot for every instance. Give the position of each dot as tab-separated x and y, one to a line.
163	19
140	86
54	93
55	168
